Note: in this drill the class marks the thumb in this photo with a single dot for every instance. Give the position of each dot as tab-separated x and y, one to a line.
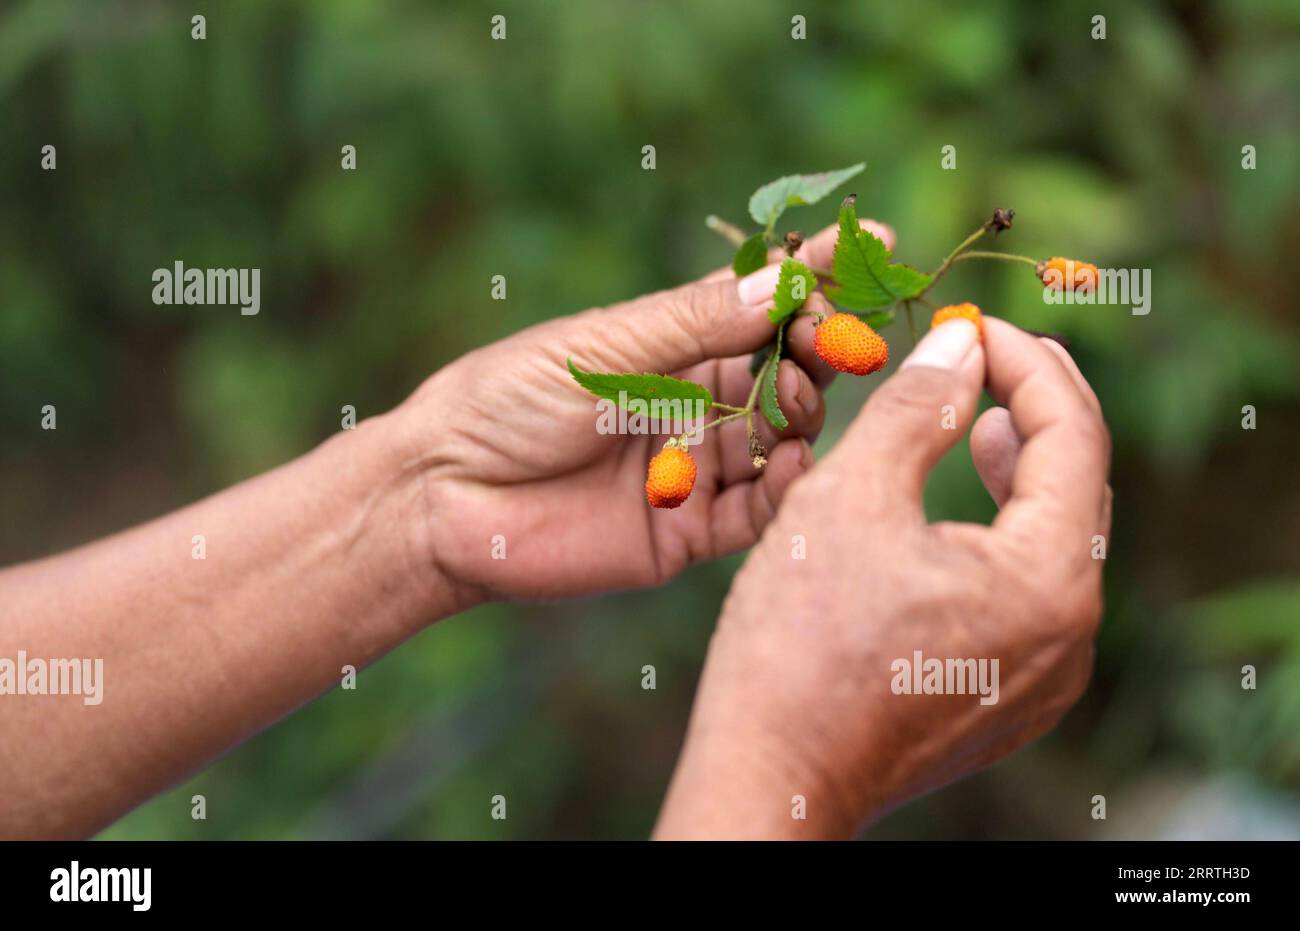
677	328
918	414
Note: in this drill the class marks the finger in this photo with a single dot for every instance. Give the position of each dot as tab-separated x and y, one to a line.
801	403
916	416
674	329
1058	487
740	513
1090	396
714	318
1072	367
994	446
799	339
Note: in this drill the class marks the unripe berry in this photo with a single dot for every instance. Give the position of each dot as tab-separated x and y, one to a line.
966	311
670	478
1073	274
847	344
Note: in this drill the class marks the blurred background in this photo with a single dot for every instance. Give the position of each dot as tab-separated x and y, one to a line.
523	158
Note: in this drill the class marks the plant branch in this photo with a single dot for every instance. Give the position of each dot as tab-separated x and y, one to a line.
713	423
952	257
735	413
758	379
728	231
1001	256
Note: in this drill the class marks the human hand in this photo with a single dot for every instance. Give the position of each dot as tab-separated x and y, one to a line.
507	442
797	695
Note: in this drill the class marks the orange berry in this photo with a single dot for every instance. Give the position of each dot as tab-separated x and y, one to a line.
670	478
847	344
1075	275
954	311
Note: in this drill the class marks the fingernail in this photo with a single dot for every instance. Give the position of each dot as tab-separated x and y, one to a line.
759	286
945	346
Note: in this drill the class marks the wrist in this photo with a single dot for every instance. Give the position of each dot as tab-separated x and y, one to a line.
384	466
731	788
750	771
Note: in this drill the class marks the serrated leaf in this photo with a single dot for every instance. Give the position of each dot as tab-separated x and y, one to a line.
751	256
795	283
624	387
767	391
877	318
769	202
864	276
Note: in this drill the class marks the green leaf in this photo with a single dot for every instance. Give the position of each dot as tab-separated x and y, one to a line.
769	202
751	256
864	276
793	286
767	391
623	388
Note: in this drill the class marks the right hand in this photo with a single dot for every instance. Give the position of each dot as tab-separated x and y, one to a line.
796	695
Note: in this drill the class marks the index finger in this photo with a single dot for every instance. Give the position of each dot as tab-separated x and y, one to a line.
1058	490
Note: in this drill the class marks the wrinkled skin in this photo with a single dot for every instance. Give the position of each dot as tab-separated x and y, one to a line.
796	697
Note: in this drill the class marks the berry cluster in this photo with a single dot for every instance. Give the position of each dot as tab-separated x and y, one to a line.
864	284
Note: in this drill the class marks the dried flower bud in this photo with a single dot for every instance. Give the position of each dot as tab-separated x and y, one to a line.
1002	218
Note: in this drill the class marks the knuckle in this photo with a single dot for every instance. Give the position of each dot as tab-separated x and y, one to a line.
696	311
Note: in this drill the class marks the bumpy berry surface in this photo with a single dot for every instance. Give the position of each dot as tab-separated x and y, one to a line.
847	344
1084	279
966	311
670	478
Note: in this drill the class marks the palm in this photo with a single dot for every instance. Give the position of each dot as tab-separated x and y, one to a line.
568	500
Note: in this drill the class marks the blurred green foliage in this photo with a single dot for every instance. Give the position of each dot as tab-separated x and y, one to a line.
522	157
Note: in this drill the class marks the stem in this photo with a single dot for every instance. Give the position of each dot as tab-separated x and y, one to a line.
737	412
952	257
713	423
729	231
911	321
965	244
758	380
1002	256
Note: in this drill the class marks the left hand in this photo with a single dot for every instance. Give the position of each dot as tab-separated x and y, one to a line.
507	444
